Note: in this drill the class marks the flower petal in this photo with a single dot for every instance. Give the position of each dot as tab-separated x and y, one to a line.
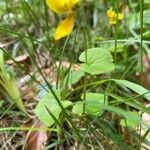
58	6
65	27
110	13
61	6
120	16
113	17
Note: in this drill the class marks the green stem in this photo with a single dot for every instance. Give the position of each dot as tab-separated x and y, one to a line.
141	56
86	46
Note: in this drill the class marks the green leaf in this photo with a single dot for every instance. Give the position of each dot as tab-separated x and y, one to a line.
135	104
147	2
2	67
53	106
1	103
110	46
95	97
74	76
131	116
91	100
133	20
98	61
78	108
135	87
128	123
8	85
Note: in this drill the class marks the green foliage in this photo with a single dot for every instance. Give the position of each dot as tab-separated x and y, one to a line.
136	88
91	100
98	61
8	85
74	76
133	20
97	103
50	102
132	102
110	46
1	103
127	123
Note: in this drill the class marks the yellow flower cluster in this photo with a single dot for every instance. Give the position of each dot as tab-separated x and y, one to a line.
113	16
66	7
63	7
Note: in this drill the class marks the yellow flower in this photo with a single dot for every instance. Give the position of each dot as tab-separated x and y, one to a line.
62	7
113	16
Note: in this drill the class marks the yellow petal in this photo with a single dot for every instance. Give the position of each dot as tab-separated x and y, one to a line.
112	21
65	27
58	6
110	13
120	16
61	6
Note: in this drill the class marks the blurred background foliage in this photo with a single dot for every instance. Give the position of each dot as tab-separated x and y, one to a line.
29	24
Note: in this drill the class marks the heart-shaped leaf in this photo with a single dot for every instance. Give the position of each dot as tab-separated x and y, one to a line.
91	100
98	61
49	102
74	76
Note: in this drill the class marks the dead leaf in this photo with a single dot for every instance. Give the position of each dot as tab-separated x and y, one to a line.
146	62
36	140
2	45
66	64
144	77
22	58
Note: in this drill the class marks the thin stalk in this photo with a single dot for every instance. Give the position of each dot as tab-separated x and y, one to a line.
23	36
141	56
116	33
141	32
27	10
27	129
59	66
86	46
